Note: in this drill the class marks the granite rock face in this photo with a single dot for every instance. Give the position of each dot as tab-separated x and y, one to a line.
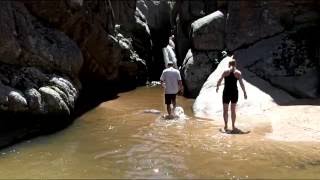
277	41
207	37
33	59
184	13
101	29
157	17
207	33
285	63
249	22
51	50
196	68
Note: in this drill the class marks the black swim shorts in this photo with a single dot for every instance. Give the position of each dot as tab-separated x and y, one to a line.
170	98
230	96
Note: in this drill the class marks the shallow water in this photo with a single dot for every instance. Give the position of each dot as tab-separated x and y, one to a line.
118	139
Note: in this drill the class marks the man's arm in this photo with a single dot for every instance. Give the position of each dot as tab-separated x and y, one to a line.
219	81
162	80
242	86
162	83
180	83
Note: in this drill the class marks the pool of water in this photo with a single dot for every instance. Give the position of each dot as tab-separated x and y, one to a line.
118	139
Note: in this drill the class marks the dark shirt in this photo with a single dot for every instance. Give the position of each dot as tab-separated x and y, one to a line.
230	83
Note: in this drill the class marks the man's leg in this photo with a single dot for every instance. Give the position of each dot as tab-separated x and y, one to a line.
169	110
225	115
173	103
233	114
168	102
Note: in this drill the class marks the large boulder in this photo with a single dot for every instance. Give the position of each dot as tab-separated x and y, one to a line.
185	12
208	41
196	68
261	95
207	33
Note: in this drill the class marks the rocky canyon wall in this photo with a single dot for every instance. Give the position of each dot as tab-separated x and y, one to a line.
51	50
276	40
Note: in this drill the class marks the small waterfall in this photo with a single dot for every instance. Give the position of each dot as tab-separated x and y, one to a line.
169	54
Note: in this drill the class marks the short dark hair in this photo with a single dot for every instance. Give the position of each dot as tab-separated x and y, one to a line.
232	62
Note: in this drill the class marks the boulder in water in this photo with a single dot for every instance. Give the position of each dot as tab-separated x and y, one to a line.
207	33
196	68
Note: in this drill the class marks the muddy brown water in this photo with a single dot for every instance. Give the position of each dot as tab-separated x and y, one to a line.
118	139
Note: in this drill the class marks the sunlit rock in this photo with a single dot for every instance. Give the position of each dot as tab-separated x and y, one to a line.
16	101
34	100
207	33
261	95
184	14
53	102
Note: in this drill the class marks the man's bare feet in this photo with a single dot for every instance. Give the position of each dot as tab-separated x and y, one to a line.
170	116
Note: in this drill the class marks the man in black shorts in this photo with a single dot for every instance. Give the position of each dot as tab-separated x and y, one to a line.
171	81
230	91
